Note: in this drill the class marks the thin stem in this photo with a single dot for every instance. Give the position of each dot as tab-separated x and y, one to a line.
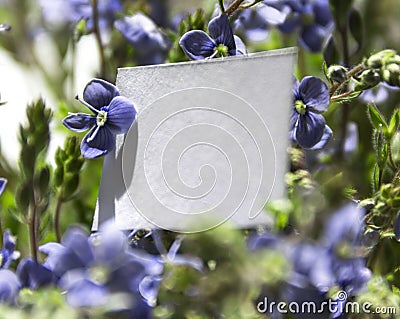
354	71
234	6
247	6
301	62
32	229
57	217
96	31
340	96
221	5
346	110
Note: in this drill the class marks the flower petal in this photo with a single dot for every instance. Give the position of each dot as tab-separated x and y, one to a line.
102	142
34	275
9	286
310	129
99	93
120	115
324	139
79	122
397	227
322	13
221	31
312	38
314	93
240	46
86	294
3	183
197	45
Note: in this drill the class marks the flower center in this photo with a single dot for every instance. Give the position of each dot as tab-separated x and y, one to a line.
300	107
307	18
99	274
222	50
1	259
101	118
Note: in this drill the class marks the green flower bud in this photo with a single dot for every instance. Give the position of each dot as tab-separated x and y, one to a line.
390	78
378	59
59	176
71	183
337	73
23	198
74	165
44	180
368	79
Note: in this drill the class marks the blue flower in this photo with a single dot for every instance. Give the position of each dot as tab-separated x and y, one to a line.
397	227
72	11
33	275
312	18
114	114
143	34
91	269
255	23
3	183
311	98
8	253
9	286
198	45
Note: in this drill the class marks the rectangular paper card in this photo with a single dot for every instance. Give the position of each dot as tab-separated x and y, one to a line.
209	144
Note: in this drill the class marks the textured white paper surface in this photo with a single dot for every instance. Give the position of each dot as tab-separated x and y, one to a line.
209	144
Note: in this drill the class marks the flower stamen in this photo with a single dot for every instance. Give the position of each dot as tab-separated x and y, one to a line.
300	107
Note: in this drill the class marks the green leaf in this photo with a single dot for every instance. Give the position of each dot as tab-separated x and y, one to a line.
376	118
375	177
340	9
346	98
394	123
331	52
356	28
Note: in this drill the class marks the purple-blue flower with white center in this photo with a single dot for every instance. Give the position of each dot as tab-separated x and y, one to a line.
114	114
8	253
198	45
91	269
312	18
143	34
311	98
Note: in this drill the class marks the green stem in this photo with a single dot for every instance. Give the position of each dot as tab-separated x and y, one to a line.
345	110
57	218
221	5
234	6
354	71
301	62
32	228
96	31
391	160
340	96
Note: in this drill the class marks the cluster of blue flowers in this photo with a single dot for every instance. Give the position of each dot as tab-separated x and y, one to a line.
321	268
137	274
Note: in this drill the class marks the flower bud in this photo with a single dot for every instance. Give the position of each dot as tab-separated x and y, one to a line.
391	78
378	59
337	73
368	79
